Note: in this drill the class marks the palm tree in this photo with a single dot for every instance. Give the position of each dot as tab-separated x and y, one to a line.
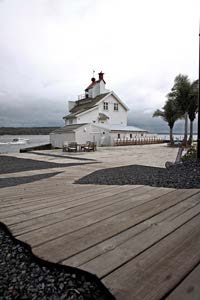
181	93
169	115
193	106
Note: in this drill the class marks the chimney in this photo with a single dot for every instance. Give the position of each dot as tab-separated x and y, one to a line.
101	76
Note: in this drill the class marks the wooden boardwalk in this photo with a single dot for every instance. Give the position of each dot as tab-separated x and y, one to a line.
143	242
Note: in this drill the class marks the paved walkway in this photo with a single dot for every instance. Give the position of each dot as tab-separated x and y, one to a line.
143	242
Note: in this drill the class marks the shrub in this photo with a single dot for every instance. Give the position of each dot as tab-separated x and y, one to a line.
190	155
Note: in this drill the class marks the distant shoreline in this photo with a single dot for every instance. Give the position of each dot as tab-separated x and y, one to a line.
26	130
47	130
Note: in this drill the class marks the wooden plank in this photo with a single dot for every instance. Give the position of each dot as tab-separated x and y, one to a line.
107	255
189	288
65	205
157	270
20	224
55	199
110	260
31	196
69	244
54	231
57	191
71	193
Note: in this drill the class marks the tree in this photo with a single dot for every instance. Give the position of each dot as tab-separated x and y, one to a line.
168	114
193	106
181	93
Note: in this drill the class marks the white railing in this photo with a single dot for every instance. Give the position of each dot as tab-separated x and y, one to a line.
82	96
138	141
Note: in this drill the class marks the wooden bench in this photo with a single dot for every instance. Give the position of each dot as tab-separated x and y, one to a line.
90	146
71	147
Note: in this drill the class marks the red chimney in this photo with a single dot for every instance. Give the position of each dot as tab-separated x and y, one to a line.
101	76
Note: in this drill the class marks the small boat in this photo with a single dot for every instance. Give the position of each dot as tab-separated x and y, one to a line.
4	143
19	141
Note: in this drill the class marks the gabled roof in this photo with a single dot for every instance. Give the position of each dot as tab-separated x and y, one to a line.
93	83
113	127
84	105
68	128
70	116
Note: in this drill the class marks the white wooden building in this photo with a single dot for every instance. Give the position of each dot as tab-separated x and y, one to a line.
99	116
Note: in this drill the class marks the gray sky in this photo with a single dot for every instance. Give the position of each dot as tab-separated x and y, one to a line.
48	49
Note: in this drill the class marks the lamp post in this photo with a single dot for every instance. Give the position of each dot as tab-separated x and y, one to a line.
198	134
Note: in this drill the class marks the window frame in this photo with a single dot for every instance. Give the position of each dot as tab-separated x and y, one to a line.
105	105
116	107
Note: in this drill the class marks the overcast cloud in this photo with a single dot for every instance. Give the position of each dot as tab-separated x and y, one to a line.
48	49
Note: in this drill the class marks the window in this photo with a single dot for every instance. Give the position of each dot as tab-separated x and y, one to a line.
105	105
116	108
70	121
118	136
131	135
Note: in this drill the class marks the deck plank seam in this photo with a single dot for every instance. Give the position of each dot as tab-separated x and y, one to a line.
119	232
136	234
182	279
77	198
146	249
67	218
71	201
56	193
128	209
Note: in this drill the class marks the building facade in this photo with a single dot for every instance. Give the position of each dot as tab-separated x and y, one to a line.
99	116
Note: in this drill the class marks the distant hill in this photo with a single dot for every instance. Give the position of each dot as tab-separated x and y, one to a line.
26	130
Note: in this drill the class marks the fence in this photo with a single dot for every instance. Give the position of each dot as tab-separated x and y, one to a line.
138	141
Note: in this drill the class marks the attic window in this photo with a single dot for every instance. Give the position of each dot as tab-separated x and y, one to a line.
105	105
116	108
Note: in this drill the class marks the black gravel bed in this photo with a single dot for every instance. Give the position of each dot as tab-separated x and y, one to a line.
10	164
24	276
64	156
13	181
181	176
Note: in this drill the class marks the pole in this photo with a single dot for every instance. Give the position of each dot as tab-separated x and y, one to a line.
198	134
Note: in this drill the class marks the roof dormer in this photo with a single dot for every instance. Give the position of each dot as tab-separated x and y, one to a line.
96	87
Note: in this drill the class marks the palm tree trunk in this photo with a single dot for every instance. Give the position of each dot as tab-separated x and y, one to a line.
171	136
186	130
191	133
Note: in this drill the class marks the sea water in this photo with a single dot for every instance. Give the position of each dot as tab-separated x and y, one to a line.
175	136
6	145
36	140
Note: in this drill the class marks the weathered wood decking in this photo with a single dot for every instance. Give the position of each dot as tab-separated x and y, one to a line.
143	242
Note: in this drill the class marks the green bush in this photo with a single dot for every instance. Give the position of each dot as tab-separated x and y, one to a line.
190	155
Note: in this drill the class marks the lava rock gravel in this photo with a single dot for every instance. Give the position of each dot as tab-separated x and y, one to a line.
23	276
11	164
184	175
13	181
